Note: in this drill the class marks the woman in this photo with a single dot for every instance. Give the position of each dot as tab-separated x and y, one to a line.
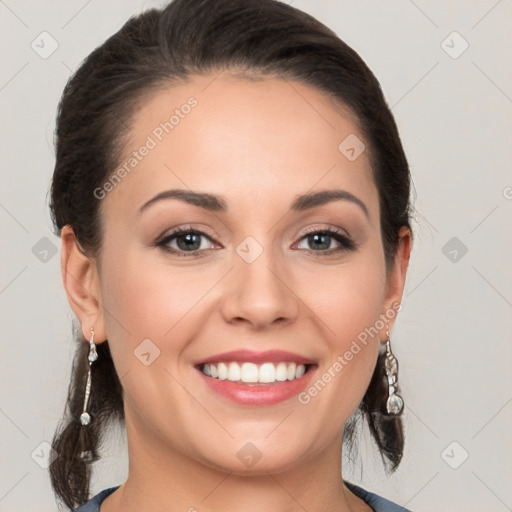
233	201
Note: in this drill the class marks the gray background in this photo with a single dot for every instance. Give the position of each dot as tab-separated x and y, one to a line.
452	338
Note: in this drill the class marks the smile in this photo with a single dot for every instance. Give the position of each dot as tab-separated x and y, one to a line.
254	378
248	372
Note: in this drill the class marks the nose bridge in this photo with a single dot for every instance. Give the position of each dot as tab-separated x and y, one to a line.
258	263
259	288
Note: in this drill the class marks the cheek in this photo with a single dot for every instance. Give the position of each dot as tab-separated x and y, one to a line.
148	313
350	307
351	297
140	296
147	300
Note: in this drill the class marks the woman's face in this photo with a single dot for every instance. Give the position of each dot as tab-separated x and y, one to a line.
249	276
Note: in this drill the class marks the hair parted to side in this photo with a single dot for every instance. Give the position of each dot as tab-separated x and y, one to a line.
163	47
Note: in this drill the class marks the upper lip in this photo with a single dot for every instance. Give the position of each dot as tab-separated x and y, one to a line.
267	356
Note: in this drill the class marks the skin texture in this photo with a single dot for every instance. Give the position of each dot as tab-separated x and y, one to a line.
259	144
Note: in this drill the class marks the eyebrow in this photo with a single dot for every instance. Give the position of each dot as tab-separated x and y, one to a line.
215	203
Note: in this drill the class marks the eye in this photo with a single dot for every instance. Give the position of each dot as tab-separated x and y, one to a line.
188	242
322	239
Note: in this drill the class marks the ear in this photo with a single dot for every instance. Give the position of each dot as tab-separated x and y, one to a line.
396	277
82	284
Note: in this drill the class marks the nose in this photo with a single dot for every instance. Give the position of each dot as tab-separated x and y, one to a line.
260	294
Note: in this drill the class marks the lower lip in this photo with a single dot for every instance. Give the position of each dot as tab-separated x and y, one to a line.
258	394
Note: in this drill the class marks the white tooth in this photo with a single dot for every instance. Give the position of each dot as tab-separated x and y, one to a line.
300	371
233	371
281	372
267	373
223	371
249	372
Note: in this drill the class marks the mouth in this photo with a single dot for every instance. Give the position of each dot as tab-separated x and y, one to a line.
256	378
251	373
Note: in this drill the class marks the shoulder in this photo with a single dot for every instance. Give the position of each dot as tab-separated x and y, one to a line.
93	505
376	502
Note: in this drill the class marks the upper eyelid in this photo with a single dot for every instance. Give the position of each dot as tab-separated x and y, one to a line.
337	230
188	229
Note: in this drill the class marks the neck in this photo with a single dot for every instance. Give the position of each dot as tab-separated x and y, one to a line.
163	478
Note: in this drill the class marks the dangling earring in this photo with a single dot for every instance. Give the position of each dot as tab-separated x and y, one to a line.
85	418
394	403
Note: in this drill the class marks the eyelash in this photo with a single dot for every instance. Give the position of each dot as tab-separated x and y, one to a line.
346	243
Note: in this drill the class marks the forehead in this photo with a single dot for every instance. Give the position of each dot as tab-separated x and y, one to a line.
254	141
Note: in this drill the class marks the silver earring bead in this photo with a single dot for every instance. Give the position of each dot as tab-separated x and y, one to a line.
395	402
85	418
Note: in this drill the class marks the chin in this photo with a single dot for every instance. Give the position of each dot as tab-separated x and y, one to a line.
257	457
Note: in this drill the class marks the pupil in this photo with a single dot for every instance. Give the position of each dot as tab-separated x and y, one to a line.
189	242
319	236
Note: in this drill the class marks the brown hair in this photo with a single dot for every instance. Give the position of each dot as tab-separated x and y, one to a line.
162	47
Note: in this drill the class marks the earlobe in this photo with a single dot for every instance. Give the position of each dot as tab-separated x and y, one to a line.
81	282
